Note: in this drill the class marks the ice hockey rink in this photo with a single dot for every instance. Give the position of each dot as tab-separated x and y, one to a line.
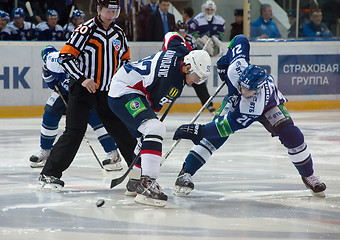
248	190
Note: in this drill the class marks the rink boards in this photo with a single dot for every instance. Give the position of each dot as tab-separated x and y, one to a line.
307	73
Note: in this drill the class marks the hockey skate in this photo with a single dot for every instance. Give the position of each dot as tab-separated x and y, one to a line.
39	159
131	187
54	183
112	161
316	187
183	184
150	193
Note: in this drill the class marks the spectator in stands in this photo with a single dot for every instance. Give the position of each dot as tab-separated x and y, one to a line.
160	22
208	29
264	27
292	21
5	32
315	27
50	30
237	26
142	17
20	29
77	18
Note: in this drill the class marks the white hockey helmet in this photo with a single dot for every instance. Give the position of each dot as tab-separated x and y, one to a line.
200	63
209	9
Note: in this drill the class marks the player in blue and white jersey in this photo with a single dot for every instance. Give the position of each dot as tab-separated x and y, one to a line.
77	18
207	25
50	30
20	29
140	89
252	96
5	31
54	75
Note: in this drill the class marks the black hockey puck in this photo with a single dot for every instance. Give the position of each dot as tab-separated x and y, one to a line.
100	202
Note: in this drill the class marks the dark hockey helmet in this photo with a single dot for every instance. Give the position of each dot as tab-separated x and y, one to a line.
252	78
47	50
110	4
77	14
52	14
18	13
4	15
181	26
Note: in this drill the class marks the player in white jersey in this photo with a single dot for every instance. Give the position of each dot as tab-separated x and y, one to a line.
140	89
252	96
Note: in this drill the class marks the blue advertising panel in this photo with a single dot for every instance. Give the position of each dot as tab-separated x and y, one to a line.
309	74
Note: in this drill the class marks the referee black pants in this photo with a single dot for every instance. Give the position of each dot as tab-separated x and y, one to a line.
80	103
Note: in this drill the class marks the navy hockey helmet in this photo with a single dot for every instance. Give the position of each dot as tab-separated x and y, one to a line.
181	26
47	50
18	13
252	78
52	14
4	15
78	14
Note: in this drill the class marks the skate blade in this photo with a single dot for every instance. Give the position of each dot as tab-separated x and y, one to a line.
149	201
130	194
319	194
113	167
182	191
49	187
37	164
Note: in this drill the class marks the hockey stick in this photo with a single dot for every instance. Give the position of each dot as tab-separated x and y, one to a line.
206	44
68	21
30	12
193	120
116	181
87	141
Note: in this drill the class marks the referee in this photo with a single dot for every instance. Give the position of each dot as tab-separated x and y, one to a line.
91	56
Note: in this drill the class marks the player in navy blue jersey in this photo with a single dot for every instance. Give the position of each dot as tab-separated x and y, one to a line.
55	77
185	42
252	96
50	30
140	89
5	31
20	29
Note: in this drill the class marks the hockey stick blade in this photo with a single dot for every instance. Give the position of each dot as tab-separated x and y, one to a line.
117	181
29	8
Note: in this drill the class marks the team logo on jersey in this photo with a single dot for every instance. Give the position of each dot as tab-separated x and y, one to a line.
60	60
173	92
135	106
116	44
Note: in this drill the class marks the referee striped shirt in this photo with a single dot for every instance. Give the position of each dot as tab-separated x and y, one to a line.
95	53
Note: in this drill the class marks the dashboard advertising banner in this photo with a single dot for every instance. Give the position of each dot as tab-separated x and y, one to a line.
309	74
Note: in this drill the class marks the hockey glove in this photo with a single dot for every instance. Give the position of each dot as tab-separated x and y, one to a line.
49	79
189	131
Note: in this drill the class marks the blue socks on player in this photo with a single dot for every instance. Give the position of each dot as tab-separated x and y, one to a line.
292	138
